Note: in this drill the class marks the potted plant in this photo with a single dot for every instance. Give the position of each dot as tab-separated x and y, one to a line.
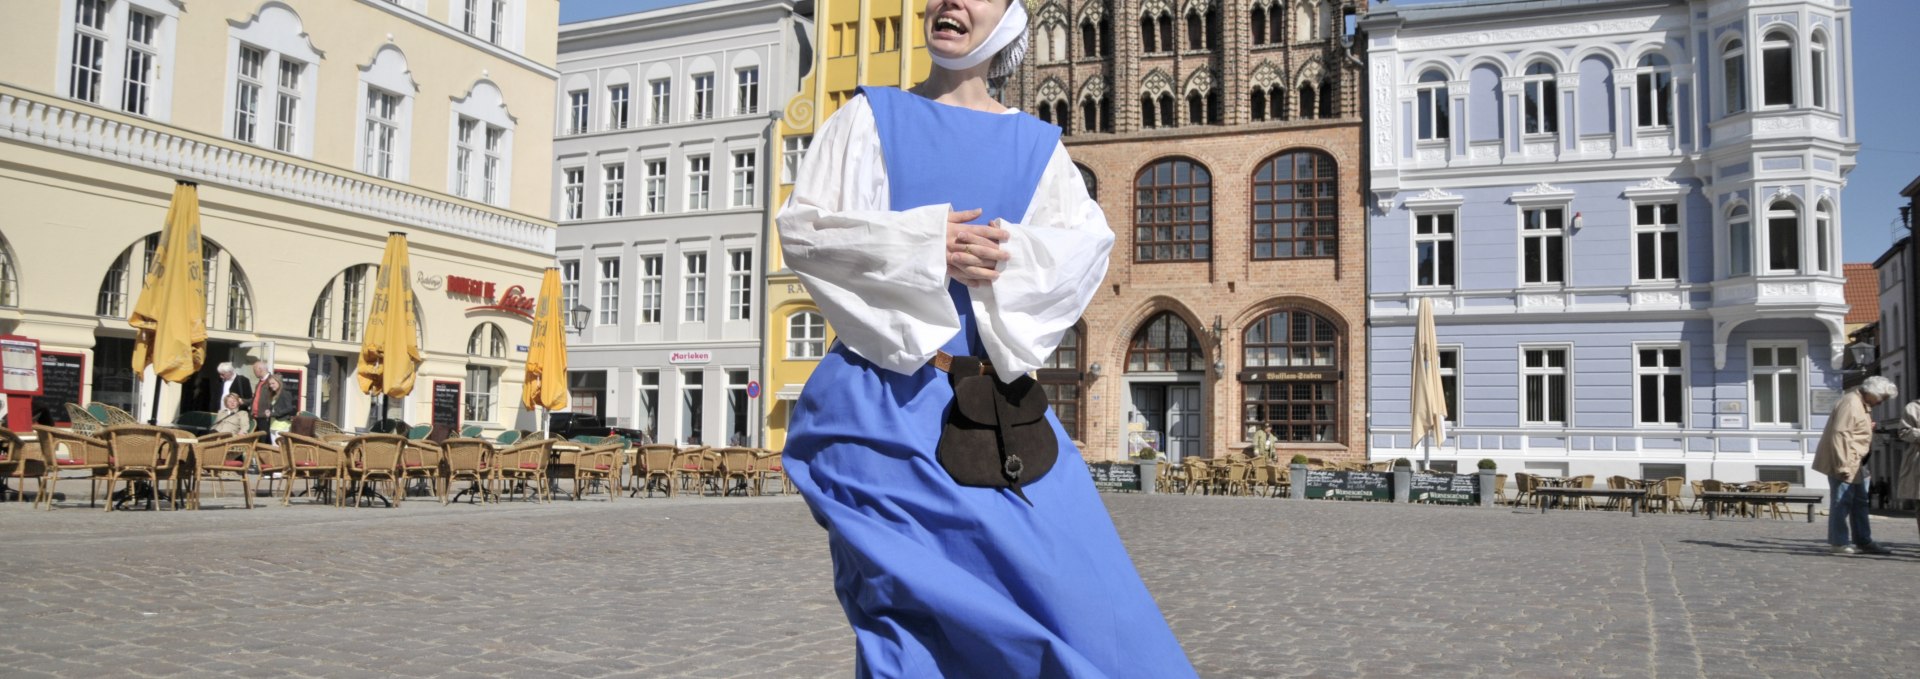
1487	484
1297	477
1148	462
1487	464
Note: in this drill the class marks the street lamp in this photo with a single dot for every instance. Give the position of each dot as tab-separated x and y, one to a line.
577	317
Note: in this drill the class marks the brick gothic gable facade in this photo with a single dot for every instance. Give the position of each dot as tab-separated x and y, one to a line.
1223	138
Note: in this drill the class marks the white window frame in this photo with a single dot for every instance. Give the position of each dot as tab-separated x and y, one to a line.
693	286
653	286
619	106
607	285
693	390
613	190
654	186
1543	233
1652	102
1798	370
140	62
279	34
699	182
1740	261
1819	73
1662	371
660	101
569	285
746	90
744	178
1823	230
1799	216
1433	120
1734	95
248	90
578	119
386	73
1437	240
740	285
647	392
1546	373
464	154
806	335
702	101
573	193
793	154
1769	44
1658	229
112	40
1541	91
1457	372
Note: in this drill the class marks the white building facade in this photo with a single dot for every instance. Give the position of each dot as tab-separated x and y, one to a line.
1628	216
660	159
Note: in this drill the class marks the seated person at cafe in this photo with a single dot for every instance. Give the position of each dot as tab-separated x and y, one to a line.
233	417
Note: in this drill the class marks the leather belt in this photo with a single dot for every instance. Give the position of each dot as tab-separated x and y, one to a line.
944	361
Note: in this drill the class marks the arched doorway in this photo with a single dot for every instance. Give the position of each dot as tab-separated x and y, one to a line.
1166	407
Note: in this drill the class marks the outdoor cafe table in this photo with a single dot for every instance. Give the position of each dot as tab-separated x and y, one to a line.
1712	498
1637	495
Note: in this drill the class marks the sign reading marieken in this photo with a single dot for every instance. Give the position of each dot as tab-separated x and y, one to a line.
1108	476
1322	483
1446	489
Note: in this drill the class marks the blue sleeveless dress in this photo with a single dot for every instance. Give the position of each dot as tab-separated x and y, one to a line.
940	579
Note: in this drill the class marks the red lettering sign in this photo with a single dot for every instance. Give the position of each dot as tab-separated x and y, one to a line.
515	302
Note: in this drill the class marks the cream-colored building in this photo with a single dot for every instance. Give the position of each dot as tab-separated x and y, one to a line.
313	128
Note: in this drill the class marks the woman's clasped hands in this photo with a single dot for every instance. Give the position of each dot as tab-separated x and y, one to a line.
973	251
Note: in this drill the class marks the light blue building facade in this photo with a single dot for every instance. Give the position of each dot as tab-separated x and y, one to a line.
1627	215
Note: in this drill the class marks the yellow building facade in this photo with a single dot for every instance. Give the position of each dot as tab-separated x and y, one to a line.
857	42
313	128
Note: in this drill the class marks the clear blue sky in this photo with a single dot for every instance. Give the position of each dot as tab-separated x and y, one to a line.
1886	54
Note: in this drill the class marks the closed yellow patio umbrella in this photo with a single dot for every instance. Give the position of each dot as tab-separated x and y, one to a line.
390	352
1428	398
171	315
546	377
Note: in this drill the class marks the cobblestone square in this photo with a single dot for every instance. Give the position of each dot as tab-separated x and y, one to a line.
740	588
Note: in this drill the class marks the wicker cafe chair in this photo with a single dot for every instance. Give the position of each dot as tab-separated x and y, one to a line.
1193	475
323	429
319	462
272	464
19	462
735	463
769	465
141	453
1260	478
84	423
221	460
526	466
654	469
71	451
597	465
471	431
1664	494
113	417
690	465
469	459
373	458
1233	480
1523	486
425	460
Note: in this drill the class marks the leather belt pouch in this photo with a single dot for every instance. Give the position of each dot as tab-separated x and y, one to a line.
996	435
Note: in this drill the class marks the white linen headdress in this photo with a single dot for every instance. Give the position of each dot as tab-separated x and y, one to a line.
1008	42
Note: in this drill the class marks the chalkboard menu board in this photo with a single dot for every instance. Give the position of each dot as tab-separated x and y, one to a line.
1448	489
61	378
1115	475
446	405
294	382
1323	483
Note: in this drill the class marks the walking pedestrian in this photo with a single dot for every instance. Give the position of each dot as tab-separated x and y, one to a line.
902	224
1906	485
1843	446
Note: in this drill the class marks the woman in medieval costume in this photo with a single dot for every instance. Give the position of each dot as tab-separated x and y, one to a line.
929	225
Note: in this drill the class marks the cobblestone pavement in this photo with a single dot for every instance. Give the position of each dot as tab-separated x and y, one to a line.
740	588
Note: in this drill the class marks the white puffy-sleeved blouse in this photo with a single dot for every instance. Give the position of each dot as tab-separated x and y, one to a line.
879	271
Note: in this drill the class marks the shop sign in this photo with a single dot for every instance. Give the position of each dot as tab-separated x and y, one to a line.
1322	483
683	357
514	301
1272	375
1112	476
1446	489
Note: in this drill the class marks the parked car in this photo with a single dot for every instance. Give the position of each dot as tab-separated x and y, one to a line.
569	425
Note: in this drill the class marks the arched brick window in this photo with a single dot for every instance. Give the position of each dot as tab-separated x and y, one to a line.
1292	381
1296	211
1173	215
1165	344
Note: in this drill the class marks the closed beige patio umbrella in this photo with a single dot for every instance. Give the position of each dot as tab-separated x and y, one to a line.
1428	399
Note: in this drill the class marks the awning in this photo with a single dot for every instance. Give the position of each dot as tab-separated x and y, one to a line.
789	392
